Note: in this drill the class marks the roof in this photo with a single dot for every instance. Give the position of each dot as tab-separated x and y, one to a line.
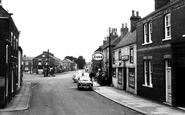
129	39
113	42
27	58
171	3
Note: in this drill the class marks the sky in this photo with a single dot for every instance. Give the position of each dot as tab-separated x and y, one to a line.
70	27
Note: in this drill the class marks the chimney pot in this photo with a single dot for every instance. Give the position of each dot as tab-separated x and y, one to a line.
137	14
122	25
132	12
125	25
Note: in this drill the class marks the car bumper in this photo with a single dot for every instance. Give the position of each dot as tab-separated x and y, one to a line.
85	86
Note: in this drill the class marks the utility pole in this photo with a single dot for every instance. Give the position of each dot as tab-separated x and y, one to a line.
48	63
110	58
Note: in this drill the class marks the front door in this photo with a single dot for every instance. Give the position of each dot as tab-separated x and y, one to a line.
168	81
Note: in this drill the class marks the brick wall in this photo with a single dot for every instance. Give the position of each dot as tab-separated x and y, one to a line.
158	79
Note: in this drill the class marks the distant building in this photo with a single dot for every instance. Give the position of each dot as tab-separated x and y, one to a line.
27	63
44	60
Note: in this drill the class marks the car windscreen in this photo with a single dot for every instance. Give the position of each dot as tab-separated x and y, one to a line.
84	79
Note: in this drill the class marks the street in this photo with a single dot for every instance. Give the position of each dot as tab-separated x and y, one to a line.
59	96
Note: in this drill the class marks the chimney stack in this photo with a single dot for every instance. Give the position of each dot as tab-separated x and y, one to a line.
160	3
124	30
133	20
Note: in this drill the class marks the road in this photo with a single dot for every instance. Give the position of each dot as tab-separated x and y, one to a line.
59	96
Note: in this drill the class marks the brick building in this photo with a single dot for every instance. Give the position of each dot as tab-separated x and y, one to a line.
161	53
46	59
27	64
9	42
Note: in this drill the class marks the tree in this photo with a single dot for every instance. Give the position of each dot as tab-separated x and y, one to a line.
71	58
81	62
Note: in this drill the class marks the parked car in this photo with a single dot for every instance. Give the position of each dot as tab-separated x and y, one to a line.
76	76
85	83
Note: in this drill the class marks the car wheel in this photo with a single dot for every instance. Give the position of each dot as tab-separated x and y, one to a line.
78	87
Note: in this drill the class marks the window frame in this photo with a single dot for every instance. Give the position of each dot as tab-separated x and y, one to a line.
131	55
167	23
147	33
148	73
150	32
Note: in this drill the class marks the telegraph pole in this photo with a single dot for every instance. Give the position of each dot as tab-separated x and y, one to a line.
48	63
110	57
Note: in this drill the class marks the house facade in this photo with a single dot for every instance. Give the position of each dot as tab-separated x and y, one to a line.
125	58
45	60
27	63
9	42
161	53
20	68
114	39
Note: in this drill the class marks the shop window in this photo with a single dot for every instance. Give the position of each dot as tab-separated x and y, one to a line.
119	76
114	73
132	77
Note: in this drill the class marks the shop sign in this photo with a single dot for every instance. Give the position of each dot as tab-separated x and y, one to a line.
125	57
97	56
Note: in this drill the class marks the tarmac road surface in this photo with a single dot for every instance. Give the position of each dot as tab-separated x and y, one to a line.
59	96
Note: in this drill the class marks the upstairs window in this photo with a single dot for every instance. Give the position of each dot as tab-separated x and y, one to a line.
145	33
131	55
119	55
150	32
113	57
167	27
147	38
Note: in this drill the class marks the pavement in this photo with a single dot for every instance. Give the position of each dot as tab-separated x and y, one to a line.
22	101
136	103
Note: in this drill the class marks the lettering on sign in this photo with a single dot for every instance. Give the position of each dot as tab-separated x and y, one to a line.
97	56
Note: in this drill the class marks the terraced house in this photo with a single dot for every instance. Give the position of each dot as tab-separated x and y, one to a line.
10	53
161	53
124	58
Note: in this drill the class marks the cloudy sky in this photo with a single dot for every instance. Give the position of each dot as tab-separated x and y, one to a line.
70	27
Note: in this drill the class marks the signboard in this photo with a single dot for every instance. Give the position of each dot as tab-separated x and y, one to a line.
125	57
98	56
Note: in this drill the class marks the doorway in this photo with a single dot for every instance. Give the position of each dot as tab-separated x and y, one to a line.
180	77
124	78
168	82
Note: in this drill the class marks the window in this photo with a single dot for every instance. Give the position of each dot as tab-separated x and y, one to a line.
132	77
147	33
167	27
11	38
26	63
148	72
113	57
119	76
150	32
119	55
6	54
131	55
